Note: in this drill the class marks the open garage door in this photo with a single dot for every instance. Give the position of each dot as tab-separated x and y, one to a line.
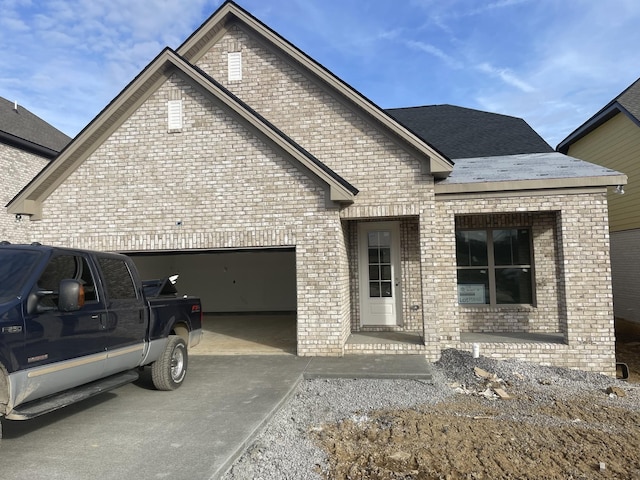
248	296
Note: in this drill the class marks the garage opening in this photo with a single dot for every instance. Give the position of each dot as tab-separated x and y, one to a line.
248	295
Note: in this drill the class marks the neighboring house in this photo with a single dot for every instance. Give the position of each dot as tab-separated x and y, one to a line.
27	144
612	138
238	149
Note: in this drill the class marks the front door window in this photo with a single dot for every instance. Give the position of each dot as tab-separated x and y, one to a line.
380	280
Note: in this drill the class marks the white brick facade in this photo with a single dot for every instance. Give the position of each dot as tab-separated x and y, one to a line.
218	183
17	168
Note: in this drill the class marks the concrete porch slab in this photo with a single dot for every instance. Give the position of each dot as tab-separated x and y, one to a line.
370	366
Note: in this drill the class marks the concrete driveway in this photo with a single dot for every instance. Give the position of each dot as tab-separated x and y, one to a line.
193	433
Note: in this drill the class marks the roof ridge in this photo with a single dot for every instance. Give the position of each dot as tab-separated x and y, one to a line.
456	107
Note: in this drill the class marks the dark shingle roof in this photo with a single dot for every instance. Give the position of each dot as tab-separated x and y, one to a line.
630	99
628	102
466	133
23	127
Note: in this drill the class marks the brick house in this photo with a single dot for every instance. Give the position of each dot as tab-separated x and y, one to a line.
27	145
611	138
239	142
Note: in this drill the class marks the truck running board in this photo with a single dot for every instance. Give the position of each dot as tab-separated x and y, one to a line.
74	395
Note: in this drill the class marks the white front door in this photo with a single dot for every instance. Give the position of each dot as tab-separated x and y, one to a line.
379	265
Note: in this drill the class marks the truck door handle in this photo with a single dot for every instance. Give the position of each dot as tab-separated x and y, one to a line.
103	319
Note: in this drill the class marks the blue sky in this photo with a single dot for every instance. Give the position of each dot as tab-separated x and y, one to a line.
552	62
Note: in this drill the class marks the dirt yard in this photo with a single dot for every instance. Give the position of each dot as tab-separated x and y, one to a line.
542	427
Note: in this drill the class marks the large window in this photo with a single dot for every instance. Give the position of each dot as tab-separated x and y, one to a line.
494	266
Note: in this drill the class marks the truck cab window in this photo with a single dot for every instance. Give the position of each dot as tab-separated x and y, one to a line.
117	277
66	266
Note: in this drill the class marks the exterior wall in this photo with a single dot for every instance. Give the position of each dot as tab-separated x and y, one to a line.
214	185
625	265
616	145
583	280
410	263
18	168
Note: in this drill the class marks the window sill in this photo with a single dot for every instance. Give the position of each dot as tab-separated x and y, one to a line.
497	308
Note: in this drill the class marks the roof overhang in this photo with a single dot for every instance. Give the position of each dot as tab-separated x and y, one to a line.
589	126
529	185
26	145
526	172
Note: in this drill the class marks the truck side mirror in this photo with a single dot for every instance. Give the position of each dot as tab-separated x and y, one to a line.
70	295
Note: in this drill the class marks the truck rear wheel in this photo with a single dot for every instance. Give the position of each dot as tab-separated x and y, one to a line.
169	370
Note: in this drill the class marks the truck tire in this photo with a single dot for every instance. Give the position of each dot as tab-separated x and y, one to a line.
169	370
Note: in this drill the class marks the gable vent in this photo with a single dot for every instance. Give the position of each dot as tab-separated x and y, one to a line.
234	64
174	115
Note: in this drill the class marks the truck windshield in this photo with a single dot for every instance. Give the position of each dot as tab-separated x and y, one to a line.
15	267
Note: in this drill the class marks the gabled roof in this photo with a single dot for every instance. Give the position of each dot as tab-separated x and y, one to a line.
22	129
29	200
215	27
465	133
628	102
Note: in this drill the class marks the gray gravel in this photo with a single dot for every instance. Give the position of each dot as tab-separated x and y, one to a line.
283	450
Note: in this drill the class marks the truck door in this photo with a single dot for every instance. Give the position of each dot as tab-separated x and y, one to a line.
127	314
64	349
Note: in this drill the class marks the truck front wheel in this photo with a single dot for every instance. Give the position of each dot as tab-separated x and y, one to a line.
169	370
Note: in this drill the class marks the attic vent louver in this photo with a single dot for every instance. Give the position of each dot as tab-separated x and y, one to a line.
174	115
234	64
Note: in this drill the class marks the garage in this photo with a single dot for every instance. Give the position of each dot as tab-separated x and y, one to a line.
248	295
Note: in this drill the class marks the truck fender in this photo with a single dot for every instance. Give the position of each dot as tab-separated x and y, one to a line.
182	330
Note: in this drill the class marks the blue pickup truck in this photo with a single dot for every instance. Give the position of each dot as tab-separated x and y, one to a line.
75	323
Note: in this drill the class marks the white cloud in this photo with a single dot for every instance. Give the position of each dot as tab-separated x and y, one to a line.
435	51
507	76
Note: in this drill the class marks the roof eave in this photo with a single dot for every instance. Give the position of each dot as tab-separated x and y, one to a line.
27	145
524	185
590	125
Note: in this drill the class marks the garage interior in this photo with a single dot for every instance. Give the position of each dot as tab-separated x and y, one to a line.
248	296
